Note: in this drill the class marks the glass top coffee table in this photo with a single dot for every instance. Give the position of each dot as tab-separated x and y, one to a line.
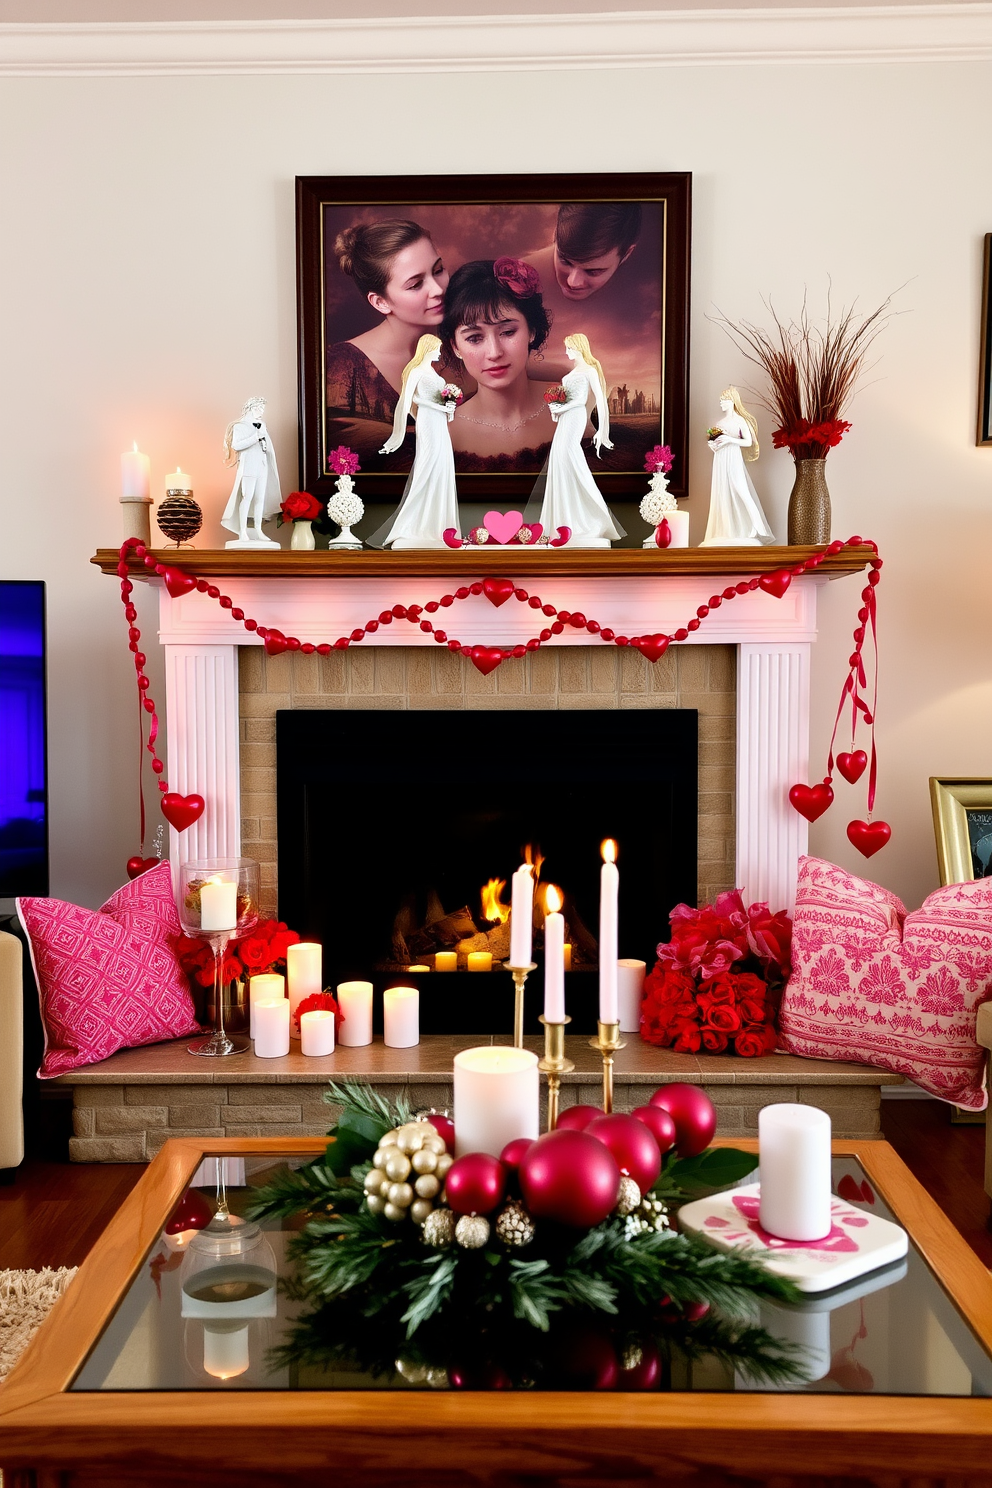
147	1352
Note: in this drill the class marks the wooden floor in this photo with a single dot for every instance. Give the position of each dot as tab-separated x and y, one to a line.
54	1211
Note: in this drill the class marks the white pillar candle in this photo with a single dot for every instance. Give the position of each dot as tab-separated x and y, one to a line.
317	1032
218	905
554	958
522	916
446	961
630	990
272	1028
401	1017
678	523
609	891
497	1098
135	474
304	976
225	1352
267	986
794	1171
355	1002
480	961
178	480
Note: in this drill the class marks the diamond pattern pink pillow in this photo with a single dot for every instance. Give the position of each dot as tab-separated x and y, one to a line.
895	990
108	978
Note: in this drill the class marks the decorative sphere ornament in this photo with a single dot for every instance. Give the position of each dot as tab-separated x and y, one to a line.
400	1195
397	1166
632	1144
375	1203
577	1118
439	1229
345	507
374	1179
393	1213
659	1122
420	1209
444	1163
179	517
475	1183
514	1151
472	1230
409	1140
693	1113
514	1225
570	1177
425	1161
427	1186
444	1126
629	1197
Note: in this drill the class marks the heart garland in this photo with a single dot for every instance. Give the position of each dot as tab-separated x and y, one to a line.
810	801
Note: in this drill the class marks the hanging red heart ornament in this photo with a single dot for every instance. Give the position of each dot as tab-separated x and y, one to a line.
868	837
177	582
811	801
275	643
182	811
136	866
497	591
776	583
852	766
486	658
653	646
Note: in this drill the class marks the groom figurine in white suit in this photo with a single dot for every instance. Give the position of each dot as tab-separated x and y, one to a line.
256	494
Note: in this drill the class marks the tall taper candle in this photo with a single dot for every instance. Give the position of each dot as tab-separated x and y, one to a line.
609	890
554	958
794	1171
522	916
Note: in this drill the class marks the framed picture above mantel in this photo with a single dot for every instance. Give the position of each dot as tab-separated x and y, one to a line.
382	261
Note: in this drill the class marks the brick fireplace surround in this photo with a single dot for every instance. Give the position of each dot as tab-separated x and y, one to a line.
747	675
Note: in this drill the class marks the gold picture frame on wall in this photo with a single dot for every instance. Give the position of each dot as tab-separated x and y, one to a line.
985	355
962	824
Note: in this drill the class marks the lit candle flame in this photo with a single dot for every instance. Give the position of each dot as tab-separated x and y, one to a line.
553	900
534	858
609	850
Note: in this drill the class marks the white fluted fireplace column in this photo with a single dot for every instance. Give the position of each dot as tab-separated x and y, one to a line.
772	755
202	728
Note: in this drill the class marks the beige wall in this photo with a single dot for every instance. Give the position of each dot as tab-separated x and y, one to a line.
147	286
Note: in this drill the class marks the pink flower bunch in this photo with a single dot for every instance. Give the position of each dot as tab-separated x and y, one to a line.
343	461
710	940
659	458
516	276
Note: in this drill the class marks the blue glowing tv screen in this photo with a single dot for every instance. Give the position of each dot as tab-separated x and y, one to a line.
23	748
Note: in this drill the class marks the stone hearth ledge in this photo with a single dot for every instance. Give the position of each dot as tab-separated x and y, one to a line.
127	1106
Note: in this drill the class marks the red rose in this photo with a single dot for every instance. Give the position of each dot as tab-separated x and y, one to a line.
300	506
320	1002
714	1042
752	1010
770	938
255	952
725	1019
688	1041
750	1043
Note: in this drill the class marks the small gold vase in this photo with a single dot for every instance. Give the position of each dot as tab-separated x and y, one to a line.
235	996
809	505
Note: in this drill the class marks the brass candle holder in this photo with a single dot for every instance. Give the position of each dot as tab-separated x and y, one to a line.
519	975
608	1042
554	1065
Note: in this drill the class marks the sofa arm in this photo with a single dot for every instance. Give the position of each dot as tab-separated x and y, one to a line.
11	1052
983	1033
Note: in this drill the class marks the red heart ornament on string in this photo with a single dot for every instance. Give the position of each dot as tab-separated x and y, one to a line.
868	837
852	766
177	582
653	646
564	533
776	583
451	537
486	659
503	526
811	801
136	866
182	811
663	534
498	591
275	643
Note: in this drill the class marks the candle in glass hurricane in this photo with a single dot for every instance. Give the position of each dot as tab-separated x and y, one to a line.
609	887
218	905
355	1002
554	957
497	1098
304	976
218	901
522	916
266	986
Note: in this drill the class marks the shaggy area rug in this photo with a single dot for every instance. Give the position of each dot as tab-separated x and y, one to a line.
26	1298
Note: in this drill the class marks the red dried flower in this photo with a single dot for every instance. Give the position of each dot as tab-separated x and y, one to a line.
519	278
300	506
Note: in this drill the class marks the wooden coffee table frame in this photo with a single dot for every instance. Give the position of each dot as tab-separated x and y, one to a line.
51	1437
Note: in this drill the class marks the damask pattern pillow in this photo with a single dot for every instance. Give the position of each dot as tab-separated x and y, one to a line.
108	979
895	990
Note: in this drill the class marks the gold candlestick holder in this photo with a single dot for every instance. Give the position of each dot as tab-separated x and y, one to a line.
519	975
608	1042
554	1065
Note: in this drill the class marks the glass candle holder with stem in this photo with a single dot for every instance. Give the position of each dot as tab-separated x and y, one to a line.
218	903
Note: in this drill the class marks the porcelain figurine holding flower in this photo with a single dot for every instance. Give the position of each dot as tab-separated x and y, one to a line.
430	502
736	519
569	495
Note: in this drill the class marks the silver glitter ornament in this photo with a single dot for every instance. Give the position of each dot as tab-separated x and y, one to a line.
650	1214
514	1225
439	1229
472	1231
629	1196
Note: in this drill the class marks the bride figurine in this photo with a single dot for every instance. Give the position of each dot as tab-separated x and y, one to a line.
571	496
736	519
430	501
255	494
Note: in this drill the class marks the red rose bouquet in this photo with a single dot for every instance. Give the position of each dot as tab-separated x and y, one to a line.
298	506
452	393
263	950
717	982
555	394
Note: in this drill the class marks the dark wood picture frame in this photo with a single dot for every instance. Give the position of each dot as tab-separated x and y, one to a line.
985	357
314	193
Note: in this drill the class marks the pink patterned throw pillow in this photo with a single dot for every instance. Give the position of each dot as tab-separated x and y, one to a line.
895	990
108	978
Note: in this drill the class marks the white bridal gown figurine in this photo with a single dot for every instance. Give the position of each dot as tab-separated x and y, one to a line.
571	496
736	519
256	494
430	501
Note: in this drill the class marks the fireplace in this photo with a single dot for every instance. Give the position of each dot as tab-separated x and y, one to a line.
398	833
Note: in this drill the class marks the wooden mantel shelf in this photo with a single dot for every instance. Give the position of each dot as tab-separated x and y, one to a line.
371	563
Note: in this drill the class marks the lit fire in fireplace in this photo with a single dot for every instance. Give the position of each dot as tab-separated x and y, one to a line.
493	908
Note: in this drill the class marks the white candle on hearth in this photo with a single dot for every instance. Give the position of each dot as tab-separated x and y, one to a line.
497	1098
218	905
480	961
355	1002
304	976
267	986
401	1017
522	916
317	1032
554	957
630	992
794	1171
446	961
135	474
272	1028
609	893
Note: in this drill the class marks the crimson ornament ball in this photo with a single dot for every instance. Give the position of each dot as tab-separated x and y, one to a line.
577	1118
475	1183
445	1127
569	1177
693	1113
632	1144
514	1151
659	1123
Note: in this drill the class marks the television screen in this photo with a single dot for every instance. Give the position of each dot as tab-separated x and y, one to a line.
23	752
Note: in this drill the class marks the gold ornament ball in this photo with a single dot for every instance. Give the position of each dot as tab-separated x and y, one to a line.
393	1213
409	1141
434	1143
400	1195
397	1167
389	1140
514	1226
444	1162
420	1209
629	1197
439	1229
427	1186
424	1161
472	1231
376	1203
374	1179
